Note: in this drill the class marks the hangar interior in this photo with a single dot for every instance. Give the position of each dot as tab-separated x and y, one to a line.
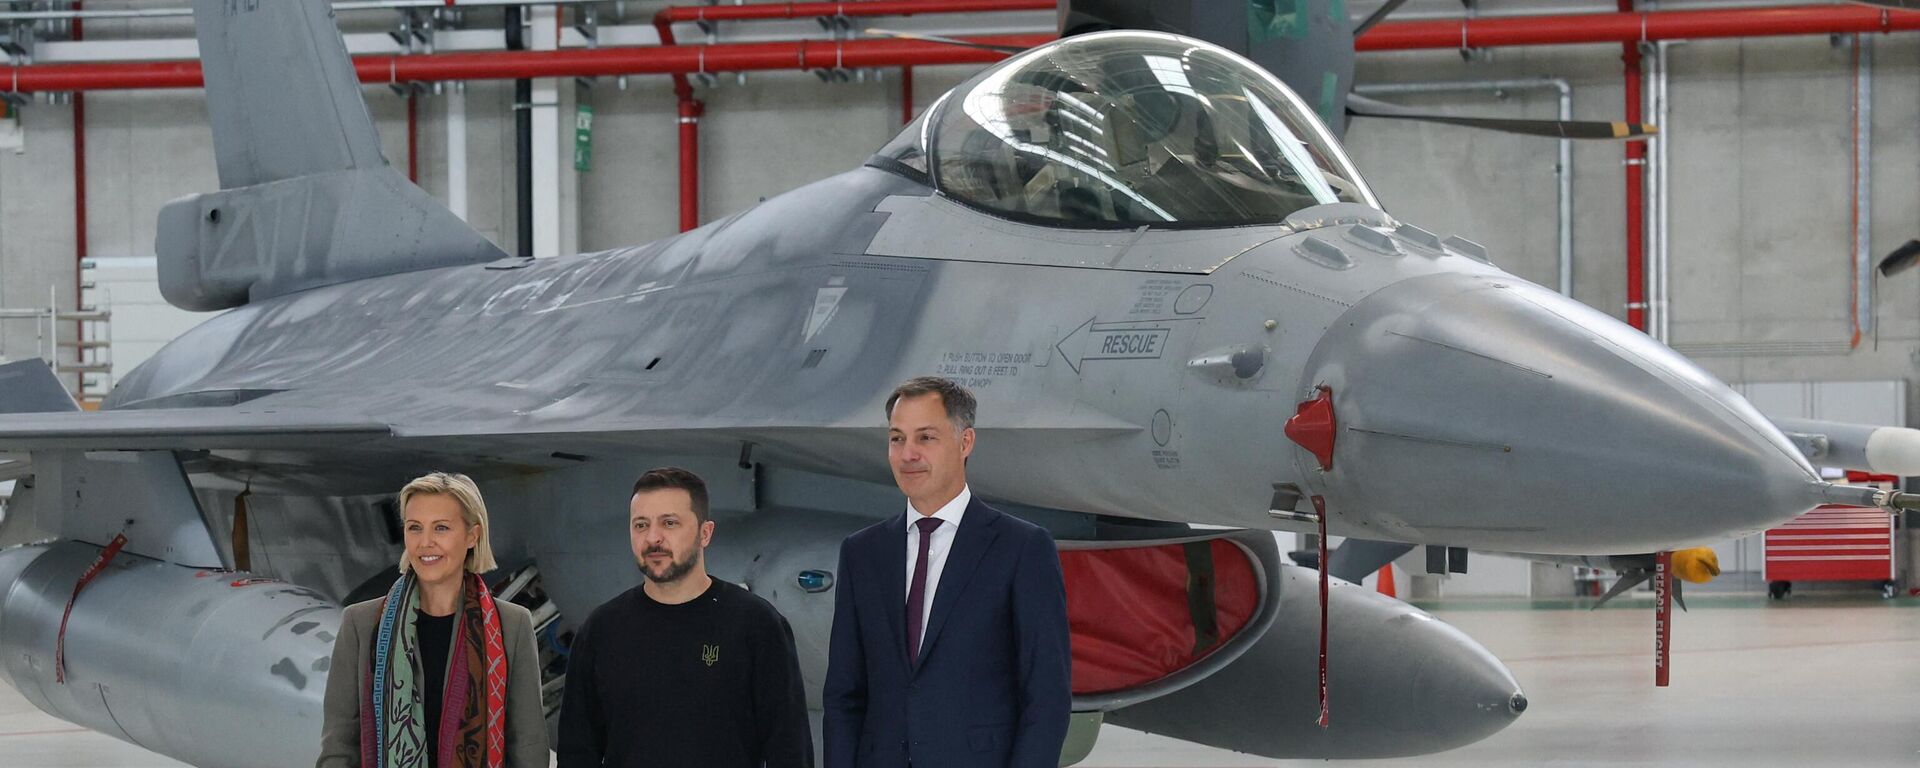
1745	236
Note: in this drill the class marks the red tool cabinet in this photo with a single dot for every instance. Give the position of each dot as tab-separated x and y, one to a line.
1831	543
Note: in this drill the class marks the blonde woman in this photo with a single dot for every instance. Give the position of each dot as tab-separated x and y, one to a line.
437	674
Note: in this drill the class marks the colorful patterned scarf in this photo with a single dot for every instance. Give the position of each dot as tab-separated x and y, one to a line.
393	722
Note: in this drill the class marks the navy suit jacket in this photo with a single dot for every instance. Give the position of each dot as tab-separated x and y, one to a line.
992	686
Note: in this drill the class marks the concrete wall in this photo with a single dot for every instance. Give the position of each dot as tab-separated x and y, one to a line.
36	227
1760	183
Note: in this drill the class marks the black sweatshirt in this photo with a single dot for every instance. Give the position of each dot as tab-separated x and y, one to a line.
709	683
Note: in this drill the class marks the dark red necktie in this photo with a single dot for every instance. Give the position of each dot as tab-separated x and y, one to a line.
917	595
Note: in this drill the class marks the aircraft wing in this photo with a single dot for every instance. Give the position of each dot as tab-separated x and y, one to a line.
293	449
239	428
294	438
270	445
184	429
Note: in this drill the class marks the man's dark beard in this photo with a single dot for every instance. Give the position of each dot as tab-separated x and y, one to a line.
676	569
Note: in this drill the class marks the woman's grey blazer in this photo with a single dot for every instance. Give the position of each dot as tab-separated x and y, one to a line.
353	649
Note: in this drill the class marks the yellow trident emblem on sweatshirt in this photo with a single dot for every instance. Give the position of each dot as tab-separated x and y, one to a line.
709	654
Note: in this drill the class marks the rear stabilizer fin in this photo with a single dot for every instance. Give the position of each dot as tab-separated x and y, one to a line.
31	386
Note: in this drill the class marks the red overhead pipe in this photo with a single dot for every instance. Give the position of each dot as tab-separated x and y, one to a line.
413	136
573	62
906	95
761	11
1636	187
690	111
133	75
1628	26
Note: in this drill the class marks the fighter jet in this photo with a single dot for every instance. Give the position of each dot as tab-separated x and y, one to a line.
1178	301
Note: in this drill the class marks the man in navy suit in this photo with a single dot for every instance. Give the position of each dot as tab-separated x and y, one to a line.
949	641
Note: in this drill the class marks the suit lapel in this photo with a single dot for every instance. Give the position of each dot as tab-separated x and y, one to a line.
891	554
977	531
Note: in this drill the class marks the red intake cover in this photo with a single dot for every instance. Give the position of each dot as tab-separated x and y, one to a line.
1131	610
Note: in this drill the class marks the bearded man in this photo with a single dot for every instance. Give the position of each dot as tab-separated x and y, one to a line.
685	669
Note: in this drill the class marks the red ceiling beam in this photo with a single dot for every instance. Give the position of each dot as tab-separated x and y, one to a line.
1495	31
727	57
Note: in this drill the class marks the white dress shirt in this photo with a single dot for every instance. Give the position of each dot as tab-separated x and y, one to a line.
937	548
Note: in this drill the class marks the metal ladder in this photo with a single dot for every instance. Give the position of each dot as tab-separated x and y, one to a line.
89	338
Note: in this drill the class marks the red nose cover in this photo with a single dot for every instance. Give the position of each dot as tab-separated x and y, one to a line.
1138	614
1312	426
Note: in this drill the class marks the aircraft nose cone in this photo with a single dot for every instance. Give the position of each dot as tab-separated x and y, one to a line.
1490	411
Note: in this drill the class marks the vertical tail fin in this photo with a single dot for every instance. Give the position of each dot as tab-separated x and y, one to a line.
281	92
307	200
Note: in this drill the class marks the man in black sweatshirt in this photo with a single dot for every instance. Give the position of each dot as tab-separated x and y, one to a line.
684	671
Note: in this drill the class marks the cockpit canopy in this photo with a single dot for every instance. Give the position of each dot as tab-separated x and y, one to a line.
1127	129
